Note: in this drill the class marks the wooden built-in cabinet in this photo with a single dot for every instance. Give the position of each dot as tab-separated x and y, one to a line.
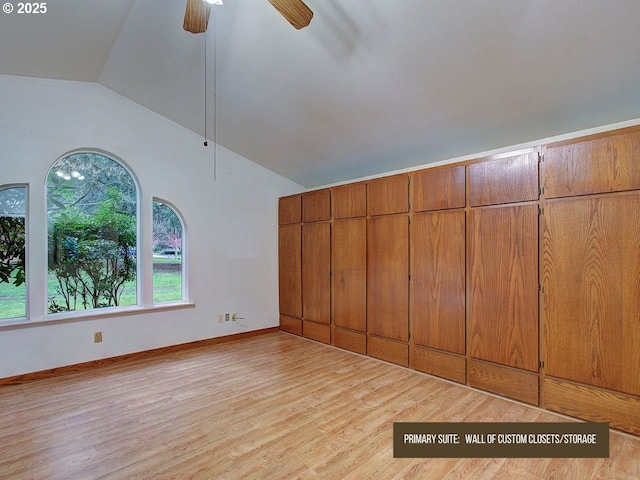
438	273
591	278
290	275
349	267
316	277
349	279
304	245
518	274
503	299
388	269
388	287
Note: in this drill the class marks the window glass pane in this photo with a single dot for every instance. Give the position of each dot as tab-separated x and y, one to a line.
92	209
167	254
13	295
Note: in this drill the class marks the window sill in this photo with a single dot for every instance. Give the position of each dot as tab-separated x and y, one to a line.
65	317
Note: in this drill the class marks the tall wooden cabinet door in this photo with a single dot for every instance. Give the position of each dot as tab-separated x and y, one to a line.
388	277
591	280
349	277
316	272
438	280
503	269
290	269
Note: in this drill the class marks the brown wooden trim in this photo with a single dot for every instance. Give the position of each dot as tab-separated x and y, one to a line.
593	404
388	350
316	331
442	364
291	325
510	382
79	367
353	341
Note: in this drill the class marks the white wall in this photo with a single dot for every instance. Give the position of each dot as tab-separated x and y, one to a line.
231	222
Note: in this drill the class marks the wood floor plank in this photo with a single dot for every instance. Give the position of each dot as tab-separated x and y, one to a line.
275	406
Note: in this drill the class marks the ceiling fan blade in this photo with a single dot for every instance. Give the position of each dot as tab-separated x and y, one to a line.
295	11
196	16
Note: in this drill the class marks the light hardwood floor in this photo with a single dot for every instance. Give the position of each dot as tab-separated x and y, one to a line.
274	406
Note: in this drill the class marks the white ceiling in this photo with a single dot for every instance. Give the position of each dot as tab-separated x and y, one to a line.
369	87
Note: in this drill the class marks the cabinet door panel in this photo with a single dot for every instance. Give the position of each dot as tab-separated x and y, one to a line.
349	259
504	180
290	270
606	163
439	189
316	206
290	210
388	195
438	280
316	272
388	277
503	257
591	279
350	201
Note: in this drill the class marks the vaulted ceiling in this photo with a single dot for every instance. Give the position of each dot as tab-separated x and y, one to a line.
370	86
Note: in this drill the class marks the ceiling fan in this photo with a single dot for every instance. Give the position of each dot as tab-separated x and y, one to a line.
196	15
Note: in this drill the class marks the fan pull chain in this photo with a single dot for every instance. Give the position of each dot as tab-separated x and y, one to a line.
206	103
215	98
205	89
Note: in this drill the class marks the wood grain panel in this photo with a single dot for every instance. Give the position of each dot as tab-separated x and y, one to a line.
604	163
354	341
591	280
349	201
512	383
290	269
434	362
388	350
316	272
388	277
316	331
290	210
438	188
503	259
504	180
349	273
592	404
291	325
316	206
438	294
388	195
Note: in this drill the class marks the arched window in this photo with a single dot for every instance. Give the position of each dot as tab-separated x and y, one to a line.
13	291
92	233
168	254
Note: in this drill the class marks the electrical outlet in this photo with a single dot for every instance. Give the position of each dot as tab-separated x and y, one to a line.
219	318
226	317
97	337
233	317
